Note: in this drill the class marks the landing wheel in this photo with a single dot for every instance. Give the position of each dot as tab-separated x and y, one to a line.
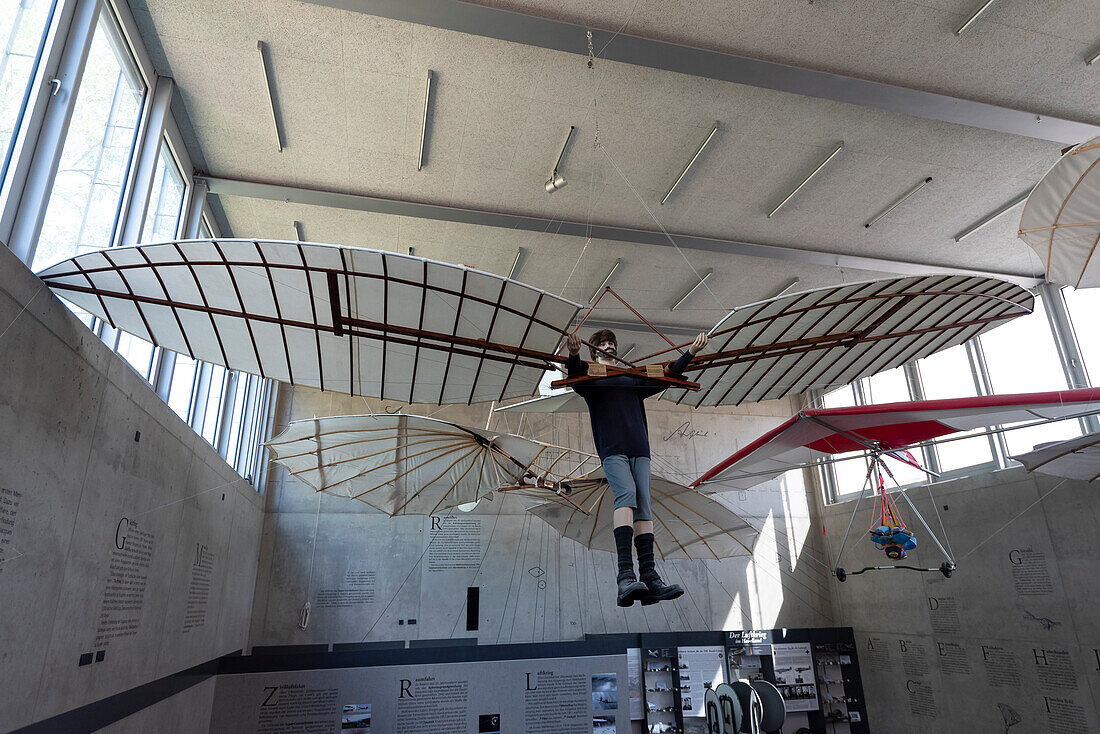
947	568
841	574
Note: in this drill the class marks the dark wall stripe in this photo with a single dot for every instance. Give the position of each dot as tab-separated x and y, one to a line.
95	716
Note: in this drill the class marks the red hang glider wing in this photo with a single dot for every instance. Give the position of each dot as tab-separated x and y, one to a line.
832	336
812	434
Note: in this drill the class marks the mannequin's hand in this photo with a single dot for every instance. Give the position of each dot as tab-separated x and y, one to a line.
699	344
573	343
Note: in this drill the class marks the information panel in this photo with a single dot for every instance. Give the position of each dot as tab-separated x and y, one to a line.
794	675
700	668
584	695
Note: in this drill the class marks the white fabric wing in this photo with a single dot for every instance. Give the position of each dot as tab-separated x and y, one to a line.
1061	218
832	336
364	322
686	523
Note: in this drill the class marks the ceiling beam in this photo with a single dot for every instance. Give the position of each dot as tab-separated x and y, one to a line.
219	186
505	25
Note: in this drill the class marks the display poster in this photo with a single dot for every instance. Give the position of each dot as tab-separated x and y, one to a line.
541	696
634	682
794	675
701	668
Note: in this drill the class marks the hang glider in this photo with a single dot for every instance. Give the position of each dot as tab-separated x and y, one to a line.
686	523
413	465
832	336
368	322
1061	218
886	431
351	320
813	434
1077	458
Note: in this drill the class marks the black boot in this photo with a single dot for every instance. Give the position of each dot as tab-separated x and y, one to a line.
656	589
630	588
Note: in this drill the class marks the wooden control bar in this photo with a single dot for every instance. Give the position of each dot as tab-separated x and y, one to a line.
651	372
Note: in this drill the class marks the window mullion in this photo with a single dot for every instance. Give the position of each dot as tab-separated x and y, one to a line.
1069	353
151	136
980	372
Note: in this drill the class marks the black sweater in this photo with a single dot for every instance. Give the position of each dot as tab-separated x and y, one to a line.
616	408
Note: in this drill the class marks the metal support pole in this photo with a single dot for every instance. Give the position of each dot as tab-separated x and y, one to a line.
1069	353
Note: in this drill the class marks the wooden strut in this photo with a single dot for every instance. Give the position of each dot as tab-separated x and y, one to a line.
613	371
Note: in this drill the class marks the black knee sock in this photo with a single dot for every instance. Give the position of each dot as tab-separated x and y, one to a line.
623	535
647	567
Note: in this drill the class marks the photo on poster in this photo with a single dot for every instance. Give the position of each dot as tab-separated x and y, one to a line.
605	692
488	724
356	718
603	724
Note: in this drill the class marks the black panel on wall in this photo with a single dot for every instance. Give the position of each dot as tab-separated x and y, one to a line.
473	595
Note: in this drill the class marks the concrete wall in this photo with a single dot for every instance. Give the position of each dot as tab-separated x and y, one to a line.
77	481
534	585
1013	636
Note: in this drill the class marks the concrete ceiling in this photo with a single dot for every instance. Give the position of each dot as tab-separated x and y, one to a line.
1021	54
351	93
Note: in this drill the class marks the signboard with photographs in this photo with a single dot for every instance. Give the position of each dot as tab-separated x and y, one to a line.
794	675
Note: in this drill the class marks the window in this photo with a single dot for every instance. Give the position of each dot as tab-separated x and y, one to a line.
182	387
1021	356
850	469
87	191
162	217
948	374
212	403
1084	308
23	25
205	233
136	351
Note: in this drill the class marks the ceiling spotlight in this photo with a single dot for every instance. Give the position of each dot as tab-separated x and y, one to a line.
556	180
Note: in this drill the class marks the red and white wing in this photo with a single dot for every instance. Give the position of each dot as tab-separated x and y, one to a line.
814	434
